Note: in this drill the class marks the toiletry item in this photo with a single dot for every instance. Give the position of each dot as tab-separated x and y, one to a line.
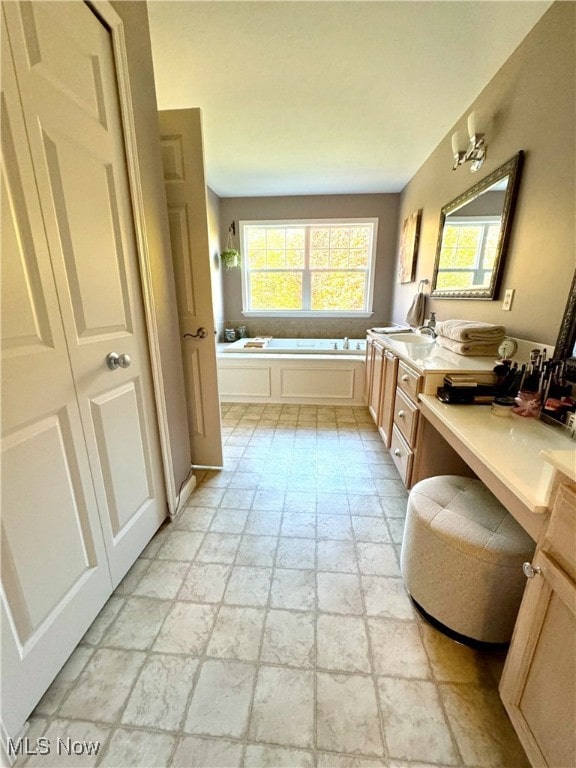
229	334
527	403
241	332
432	320
502	406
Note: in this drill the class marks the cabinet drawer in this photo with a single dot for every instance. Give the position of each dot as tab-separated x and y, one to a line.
409	381
560	538
401	455
405	417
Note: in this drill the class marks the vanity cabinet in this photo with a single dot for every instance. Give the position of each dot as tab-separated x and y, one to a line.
538	685
405	420
381	367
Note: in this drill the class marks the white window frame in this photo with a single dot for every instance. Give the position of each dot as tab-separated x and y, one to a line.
369	297
475	221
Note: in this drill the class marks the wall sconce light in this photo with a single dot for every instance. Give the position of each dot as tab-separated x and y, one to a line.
477	147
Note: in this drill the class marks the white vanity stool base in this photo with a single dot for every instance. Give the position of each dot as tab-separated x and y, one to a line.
462	556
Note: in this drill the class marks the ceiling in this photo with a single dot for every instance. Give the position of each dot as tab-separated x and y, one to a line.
308	98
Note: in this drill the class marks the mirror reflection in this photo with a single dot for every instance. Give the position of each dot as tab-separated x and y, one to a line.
474	232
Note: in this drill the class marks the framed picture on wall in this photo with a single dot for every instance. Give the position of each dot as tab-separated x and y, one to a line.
409	248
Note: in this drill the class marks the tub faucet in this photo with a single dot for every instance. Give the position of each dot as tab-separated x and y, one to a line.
427	329
346	343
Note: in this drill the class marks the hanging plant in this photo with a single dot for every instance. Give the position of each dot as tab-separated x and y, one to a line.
230	258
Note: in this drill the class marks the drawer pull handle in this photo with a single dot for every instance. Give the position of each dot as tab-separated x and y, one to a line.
531	570
405	377
397	452
401	414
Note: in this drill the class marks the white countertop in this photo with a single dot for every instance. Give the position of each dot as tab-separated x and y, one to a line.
429	357
523	453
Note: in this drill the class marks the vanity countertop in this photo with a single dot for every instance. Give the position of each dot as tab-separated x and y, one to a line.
429	357
522	453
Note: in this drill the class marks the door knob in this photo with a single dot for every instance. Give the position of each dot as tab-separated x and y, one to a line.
114	360
201	333
531	570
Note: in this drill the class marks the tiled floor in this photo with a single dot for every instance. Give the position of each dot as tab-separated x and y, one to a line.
269	625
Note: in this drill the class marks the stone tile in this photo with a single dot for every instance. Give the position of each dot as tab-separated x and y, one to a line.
300	501
394	507
163	579
296	553
332	760
153	546
180	545
365	506
339	593
334	527
229	520
347	717
483	732
245	480
299	524
237	633
248	586
64	680
104	685
277	757
77	731
391	488
377	559
293	589
289	639
206	497
274	481
137	624
134	749
161	692
385	596
397	648
396	527
256	550
370	529
342	644
263	523
205	583
453	662
221	702
194	519
186	629
409	703
218	548
332	503
270	499
207	753
104	619
283	710
339	556
130	581
237	498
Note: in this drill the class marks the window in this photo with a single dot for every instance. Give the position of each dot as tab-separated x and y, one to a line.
308	268
468	252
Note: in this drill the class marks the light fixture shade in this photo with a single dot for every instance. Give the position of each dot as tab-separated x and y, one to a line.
455	143
472	125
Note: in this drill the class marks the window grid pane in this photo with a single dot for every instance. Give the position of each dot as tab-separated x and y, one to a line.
323	268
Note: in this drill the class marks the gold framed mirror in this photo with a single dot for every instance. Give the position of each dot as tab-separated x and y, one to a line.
566	342
474	234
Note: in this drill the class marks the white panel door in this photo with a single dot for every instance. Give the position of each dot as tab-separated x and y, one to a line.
183	158
66	75
55	577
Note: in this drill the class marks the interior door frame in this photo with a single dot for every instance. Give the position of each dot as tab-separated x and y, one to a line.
108	15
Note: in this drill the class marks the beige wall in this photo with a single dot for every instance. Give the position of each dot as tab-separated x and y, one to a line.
532	101
384	207
135	17
213	203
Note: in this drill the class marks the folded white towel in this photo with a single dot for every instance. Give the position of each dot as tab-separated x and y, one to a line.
475	348
469	330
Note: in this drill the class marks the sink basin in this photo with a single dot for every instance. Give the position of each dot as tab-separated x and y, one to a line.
411	338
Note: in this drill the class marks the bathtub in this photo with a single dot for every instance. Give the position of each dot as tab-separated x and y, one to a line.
305	371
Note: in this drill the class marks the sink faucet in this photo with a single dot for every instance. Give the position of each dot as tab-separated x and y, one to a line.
346	343
427	329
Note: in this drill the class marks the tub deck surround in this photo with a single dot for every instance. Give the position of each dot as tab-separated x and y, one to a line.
292	371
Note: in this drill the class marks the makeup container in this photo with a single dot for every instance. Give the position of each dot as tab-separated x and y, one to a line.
502	406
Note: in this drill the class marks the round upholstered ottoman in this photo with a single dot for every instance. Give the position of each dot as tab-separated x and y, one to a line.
462	556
